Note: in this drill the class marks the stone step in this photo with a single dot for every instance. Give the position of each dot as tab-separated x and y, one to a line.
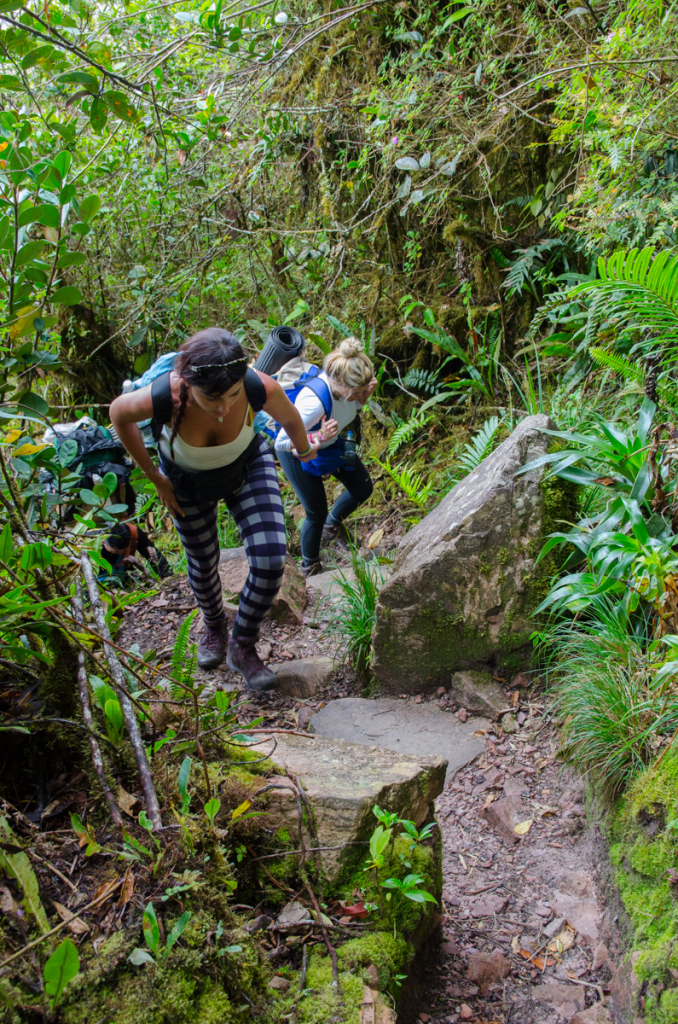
343	781
414	730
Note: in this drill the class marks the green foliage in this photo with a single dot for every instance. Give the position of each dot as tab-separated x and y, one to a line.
62	967
615	707
151	929
355	613
481	446
404	433
410	483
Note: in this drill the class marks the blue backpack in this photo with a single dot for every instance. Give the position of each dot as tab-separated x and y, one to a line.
309	379
329	459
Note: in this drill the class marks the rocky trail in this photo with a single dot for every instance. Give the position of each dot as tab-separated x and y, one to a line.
529	930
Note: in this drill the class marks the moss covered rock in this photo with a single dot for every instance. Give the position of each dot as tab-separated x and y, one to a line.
465	581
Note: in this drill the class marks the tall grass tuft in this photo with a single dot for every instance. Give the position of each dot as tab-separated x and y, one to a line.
615	714
354	613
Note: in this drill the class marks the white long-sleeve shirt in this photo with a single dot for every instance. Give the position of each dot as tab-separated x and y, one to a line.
311	410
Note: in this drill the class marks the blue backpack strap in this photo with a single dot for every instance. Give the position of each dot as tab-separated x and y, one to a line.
255	390
321	390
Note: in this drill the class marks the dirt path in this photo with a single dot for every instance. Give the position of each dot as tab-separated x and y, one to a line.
527	938
509	903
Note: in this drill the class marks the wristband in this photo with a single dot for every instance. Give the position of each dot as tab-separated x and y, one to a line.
302	455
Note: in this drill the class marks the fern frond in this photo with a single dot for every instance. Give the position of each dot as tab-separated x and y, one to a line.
422	380
618	364
638	291
481	446
184	658
410	483
406	431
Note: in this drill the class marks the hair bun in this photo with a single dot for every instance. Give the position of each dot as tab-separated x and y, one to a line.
351	347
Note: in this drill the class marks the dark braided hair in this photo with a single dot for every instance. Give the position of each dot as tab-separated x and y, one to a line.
213	361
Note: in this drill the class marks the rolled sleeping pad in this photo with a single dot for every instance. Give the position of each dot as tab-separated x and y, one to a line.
282	344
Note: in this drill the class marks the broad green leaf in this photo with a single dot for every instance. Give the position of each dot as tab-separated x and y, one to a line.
29	400
71	259
40	55
33	555
68	450
6	543
18	866
407	163
89	497
78	78
44	214
10	83
110	482
151	929
69	295
62	967
89	207
29	252
121	106
98	114
62	163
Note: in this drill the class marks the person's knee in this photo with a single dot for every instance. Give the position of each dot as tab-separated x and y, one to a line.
366	489
270	564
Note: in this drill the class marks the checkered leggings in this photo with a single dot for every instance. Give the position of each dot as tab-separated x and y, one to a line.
258	512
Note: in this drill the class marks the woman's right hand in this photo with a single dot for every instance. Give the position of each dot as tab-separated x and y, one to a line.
165	491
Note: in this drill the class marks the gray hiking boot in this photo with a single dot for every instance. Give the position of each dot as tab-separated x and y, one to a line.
212	646
335	533
242	657
313	569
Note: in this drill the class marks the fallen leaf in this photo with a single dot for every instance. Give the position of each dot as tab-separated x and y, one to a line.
465	1012
524	827
104	891
515	944
127	802
562	941
538	961
488	800
515	697
75	924
127	888
356	910
160	602
376	538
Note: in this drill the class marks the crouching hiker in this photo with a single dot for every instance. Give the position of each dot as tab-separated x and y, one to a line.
123	545
328	404
209	452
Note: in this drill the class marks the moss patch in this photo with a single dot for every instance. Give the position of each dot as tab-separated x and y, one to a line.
643	852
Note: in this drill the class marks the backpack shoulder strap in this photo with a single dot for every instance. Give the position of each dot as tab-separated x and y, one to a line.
255	390
161	396
321	390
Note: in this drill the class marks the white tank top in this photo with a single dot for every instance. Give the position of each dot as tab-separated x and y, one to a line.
213	457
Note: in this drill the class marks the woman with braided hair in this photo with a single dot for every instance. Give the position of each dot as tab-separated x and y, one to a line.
203	411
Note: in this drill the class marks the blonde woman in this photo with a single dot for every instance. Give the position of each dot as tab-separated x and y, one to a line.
348	376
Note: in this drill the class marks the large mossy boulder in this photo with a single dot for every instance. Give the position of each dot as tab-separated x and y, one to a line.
465	580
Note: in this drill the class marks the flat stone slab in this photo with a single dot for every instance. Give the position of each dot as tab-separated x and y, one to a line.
343	782
419	730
